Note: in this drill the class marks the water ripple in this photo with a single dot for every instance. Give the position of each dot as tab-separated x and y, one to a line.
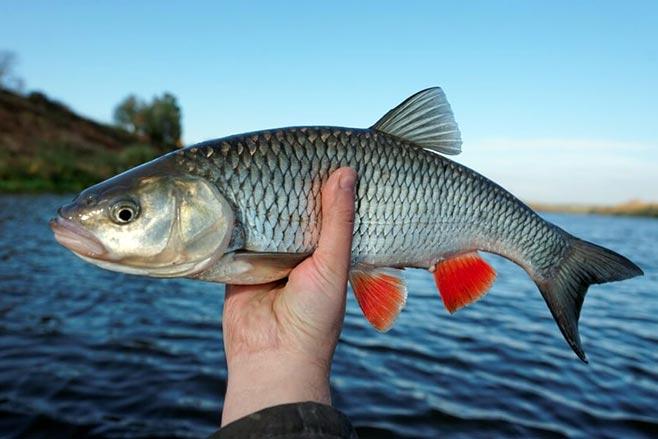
112	355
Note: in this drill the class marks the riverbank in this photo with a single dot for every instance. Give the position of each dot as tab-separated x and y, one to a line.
47	147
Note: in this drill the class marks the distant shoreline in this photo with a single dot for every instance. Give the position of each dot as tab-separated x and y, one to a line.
630	208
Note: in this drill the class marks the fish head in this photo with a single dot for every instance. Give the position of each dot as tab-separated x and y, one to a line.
151	220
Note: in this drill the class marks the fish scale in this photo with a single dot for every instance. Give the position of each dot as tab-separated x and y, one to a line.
412	206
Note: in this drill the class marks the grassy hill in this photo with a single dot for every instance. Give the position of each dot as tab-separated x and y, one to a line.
46	147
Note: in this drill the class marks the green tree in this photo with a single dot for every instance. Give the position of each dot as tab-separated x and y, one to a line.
129	114
158	121
162	121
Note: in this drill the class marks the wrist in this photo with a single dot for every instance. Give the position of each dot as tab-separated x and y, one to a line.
266	379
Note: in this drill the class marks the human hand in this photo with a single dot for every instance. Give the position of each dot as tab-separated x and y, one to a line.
280	338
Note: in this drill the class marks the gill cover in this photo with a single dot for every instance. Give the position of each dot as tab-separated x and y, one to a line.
200	230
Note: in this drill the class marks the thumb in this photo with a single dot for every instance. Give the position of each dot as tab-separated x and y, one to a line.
332	256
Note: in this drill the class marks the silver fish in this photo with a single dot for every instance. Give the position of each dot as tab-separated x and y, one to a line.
246	209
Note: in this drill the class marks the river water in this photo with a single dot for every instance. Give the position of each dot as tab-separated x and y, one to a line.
87	352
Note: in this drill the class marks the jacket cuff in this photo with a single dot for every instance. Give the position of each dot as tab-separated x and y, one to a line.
296	420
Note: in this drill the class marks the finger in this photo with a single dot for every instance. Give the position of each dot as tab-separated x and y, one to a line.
332	255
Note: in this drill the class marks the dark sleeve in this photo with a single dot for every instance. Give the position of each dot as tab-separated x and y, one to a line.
297	420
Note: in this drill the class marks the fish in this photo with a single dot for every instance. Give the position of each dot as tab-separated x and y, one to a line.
246	209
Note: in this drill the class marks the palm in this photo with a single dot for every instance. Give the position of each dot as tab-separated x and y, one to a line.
297	314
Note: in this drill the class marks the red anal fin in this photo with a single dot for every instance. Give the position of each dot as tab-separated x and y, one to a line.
463	279
381	294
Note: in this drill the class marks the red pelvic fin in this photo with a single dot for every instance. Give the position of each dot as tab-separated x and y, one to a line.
463	279
381	294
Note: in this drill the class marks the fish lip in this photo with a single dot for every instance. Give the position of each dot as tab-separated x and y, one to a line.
74	237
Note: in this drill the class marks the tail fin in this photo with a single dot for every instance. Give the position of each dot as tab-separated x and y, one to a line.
564	290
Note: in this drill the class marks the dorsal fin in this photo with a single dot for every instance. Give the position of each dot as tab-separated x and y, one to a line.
426	120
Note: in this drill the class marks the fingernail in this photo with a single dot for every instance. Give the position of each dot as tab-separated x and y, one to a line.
346	181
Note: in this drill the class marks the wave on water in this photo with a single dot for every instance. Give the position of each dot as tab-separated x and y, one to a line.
86	352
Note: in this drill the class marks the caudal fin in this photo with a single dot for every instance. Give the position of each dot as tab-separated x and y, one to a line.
564	290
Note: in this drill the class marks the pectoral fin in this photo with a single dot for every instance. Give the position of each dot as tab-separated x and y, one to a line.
272	261
249	268
381	294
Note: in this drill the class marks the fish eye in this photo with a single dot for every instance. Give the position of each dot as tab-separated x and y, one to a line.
124	212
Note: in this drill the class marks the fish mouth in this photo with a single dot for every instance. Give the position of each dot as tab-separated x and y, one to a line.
77	239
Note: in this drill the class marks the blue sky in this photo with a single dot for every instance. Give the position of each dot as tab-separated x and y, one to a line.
557	101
